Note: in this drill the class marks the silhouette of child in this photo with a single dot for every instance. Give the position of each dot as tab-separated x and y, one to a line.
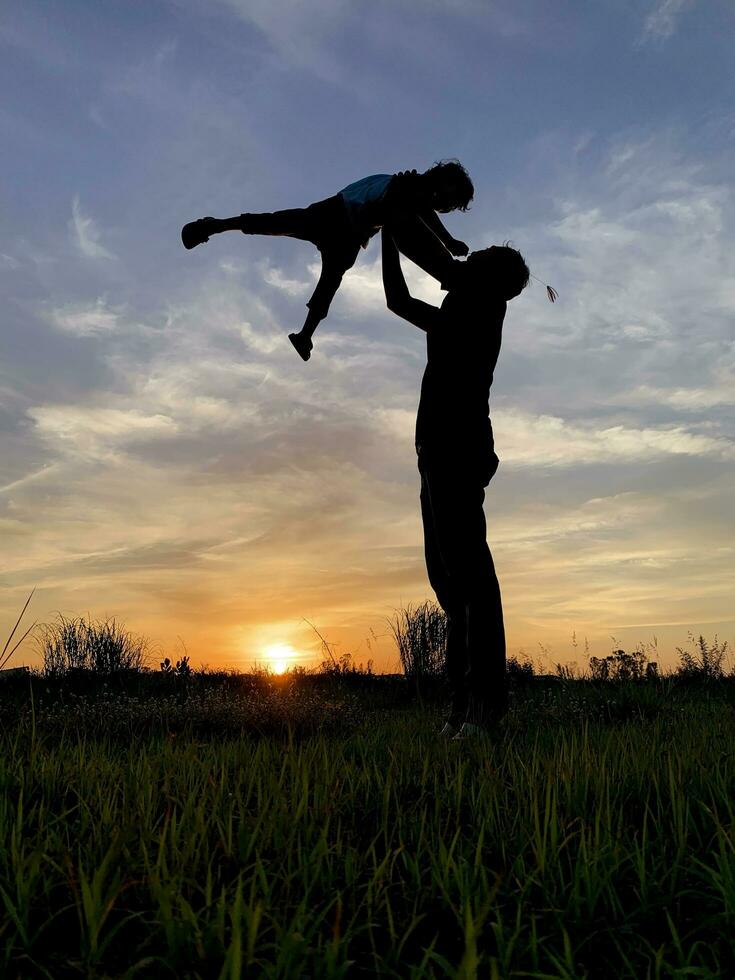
340	225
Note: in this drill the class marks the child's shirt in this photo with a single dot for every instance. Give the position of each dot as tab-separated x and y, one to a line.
366	201
362	200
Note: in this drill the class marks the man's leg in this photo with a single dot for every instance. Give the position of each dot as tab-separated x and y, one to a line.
419	244
461	541
486	677
454	609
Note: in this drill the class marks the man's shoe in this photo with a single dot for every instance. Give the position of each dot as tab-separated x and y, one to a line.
197	232
471	731
448	731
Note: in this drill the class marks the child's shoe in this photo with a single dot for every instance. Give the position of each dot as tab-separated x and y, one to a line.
197	232
302	344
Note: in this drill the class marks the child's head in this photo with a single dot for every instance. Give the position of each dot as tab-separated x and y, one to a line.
449	186
499	269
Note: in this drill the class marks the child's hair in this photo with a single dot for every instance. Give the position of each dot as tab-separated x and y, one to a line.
454	171
503	265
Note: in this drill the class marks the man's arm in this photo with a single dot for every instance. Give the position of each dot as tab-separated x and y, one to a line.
406	195
399	300
433	222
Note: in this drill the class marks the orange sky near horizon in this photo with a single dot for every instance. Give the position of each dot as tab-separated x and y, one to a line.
300	505
223	633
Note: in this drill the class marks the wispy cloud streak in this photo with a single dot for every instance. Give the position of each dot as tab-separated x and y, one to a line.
86	234
662	20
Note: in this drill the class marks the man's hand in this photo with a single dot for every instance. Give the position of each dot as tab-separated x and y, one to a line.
456	247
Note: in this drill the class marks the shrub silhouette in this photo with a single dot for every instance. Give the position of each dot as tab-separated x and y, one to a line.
519	672
420	633
181	668
619	666
705	662
102	646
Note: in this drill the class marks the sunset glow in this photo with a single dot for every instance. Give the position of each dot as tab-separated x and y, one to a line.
280	656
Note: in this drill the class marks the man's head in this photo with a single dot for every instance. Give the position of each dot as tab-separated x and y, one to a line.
499	270
449	186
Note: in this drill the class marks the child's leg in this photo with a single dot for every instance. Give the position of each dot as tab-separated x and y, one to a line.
302	340
419	244
336	260
325	224
329	282
292	223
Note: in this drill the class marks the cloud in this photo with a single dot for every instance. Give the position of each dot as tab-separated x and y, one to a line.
46	471
361	291
9	261
362	287
662	21
85	233
303	34
291	287
296	31
86	320
642	255
684	399
526	440
97	431
592	518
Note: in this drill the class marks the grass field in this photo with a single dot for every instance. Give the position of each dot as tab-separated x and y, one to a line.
285	829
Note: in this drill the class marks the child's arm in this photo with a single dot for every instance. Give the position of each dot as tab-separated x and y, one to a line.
399	300
407	195
433	223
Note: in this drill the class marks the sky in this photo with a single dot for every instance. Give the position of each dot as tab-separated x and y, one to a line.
168	460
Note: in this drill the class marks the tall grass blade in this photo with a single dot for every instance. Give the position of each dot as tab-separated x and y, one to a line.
3	658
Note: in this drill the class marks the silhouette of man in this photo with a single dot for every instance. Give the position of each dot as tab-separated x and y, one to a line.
457	460
341	224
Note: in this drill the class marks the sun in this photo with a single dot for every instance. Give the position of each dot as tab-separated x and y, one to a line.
280	656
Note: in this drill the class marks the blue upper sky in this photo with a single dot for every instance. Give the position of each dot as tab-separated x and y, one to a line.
165	455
